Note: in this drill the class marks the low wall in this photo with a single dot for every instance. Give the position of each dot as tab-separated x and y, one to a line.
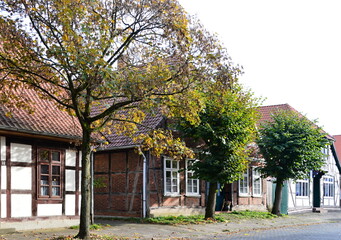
176	211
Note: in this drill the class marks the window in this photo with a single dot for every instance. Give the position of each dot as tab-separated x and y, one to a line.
256	183
192	186
328	187
326	153
171	176
302	188
244	184
49	173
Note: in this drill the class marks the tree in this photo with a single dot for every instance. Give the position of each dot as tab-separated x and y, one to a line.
227	125
291	146
109	62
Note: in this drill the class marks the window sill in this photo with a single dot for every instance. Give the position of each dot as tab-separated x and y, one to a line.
49	200
193	195
172	195
257	196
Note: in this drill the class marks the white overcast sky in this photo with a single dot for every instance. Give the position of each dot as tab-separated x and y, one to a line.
290	50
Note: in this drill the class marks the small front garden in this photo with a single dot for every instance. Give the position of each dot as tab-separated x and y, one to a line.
199	219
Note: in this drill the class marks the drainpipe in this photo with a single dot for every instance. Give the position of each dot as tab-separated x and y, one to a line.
144	186
92	217
232	203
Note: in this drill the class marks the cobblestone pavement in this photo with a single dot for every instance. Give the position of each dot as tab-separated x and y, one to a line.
299	226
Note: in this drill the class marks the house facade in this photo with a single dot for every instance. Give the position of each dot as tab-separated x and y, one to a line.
139	185
40	167
41	171
249	193
321	188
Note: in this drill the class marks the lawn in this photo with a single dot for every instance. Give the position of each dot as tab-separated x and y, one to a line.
199	219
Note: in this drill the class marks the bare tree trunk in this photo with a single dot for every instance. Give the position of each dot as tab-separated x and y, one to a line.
278	197
211	201
84	232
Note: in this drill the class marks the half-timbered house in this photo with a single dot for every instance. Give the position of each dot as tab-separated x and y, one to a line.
139	185
40	166
321	188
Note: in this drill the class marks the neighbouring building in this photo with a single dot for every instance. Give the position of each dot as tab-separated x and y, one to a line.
321	188
40	166
337	145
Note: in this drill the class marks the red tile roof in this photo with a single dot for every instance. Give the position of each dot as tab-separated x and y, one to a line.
267	111
151	121
46	120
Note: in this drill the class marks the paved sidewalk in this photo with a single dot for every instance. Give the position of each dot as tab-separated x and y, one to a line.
121	229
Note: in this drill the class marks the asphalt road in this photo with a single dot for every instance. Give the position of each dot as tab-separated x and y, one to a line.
326	231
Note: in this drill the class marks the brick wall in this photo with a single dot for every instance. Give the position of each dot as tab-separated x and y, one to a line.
121	173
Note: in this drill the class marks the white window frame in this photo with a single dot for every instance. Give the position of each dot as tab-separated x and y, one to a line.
303	191
241	181
329	184
173	171
191	180
256	175
326	153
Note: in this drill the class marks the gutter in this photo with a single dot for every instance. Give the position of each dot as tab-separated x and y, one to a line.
117	148
11	130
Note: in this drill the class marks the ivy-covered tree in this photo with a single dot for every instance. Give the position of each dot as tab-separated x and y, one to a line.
123	58
291	146
227	125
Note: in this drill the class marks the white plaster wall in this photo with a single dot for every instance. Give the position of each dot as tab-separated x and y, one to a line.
3	177
3	148
337	190
70	204
21	205
80	158
302	202
80	181
70	158
70	180
21	178
21	152
292	189
328	201
3	205
299	201
332	171
49	209
79	204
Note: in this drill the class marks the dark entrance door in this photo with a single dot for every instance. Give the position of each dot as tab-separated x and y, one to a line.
316	188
